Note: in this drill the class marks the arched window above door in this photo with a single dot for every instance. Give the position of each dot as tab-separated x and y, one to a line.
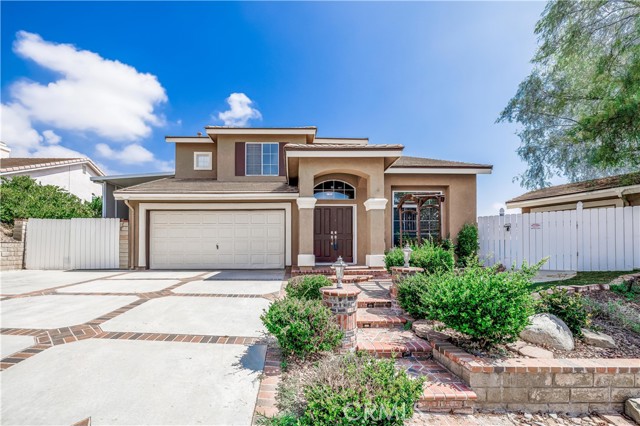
334	190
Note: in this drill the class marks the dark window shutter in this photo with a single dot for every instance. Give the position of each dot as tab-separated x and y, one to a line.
240	160
281	166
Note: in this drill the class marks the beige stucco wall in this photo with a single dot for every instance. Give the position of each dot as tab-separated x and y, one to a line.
459	205
184	160
227	155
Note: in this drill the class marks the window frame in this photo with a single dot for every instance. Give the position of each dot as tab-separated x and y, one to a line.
394	208
262	145
209	155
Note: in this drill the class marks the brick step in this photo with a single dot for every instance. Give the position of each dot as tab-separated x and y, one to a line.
352	270
373	302
389	342
381	318
443	391
351	279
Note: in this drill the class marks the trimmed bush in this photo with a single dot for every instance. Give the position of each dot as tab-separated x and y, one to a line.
569	307
467	247
486	305
349	389
307	287
302	327
394	257
432	258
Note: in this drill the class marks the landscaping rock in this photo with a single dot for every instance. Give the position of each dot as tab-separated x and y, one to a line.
424	330
599	340
548	330
632	409
535	352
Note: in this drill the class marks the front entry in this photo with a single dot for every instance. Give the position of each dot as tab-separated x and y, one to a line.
333	233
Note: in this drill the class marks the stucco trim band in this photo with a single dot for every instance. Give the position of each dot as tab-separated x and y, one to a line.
375	260
438	171
306	260
306	202
376	204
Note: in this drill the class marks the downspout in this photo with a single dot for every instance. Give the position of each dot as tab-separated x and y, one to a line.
132	223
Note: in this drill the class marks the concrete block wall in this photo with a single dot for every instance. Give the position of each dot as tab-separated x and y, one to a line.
124	244
547	385
12	252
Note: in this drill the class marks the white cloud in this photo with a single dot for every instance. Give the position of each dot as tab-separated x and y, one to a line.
92	94
132	154
16	130
51	137
240	111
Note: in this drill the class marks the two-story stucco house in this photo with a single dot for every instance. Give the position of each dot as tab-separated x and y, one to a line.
276	197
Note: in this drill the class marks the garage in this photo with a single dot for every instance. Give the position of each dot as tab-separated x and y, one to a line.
217	239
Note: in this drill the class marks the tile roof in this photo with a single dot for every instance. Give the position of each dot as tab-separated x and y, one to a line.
9	165
341	146
207	186
409	162
579	187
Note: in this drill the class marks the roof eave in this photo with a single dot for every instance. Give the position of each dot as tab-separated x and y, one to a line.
575	197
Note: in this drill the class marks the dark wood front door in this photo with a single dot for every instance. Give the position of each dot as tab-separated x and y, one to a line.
333	233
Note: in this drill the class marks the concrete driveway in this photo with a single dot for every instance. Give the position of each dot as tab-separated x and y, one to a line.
132	348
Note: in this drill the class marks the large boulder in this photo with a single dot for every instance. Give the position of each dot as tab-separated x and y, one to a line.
548	330
632	409
597	339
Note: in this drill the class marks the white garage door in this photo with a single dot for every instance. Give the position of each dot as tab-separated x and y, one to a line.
252	239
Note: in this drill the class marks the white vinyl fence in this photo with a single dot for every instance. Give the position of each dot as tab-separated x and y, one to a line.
72	244
606	239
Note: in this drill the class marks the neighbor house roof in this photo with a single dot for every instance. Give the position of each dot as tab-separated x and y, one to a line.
15	165
175	186
406	161
587	186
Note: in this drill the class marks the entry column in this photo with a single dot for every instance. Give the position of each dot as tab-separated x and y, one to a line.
375	218
306	205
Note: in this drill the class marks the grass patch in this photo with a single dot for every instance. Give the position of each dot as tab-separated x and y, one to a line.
582	278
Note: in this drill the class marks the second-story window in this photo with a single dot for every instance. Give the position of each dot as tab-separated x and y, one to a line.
262	159
202	161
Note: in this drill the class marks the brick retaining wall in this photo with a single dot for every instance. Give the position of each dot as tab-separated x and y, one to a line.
555	385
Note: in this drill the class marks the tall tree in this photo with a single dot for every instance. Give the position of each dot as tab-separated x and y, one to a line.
580	107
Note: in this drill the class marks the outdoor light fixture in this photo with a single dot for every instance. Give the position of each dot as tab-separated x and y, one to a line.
407	255
501	211
339	266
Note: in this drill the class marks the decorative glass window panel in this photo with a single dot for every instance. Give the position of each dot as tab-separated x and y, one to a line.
202	161
334	190
262	159
429	222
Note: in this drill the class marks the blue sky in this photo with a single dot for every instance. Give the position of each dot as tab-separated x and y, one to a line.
110	80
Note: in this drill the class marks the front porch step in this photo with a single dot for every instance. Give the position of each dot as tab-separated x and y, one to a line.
374	302
443	391
378	273
391	343
351	279
381	318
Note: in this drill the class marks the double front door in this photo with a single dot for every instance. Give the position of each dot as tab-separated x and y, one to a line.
333	233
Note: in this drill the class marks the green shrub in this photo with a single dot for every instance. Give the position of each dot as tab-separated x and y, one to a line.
569	307
410	292
307	287
431	257
23	197
394	257
467	247
445	244
628	291
302	327
486	305
278	420
349	389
